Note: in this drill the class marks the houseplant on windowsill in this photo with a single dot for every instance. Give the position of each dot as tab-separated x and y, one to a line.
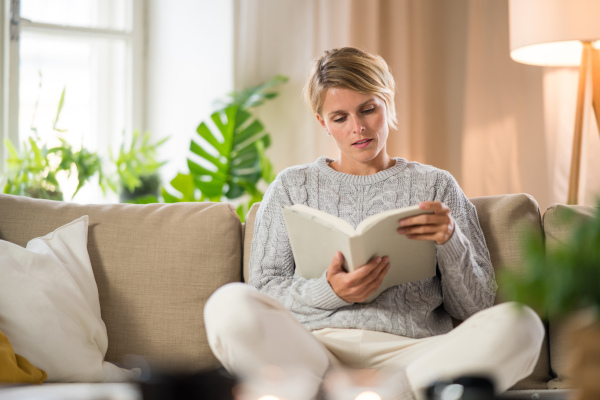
561	280
137	169
34	170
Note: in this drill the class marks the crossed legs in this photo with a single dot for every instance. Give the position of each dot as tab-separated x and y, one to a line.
248	330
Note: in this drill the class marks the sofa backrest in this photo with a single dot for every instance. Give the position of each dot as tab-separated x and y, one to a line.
155	266
559	222
504	220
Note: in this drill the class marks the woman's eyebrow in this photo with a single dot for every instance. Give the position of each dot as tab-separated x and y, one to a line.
344	112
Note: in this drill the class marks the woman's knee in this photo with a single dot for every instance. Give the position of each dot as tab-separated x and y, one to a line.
523	324
233	309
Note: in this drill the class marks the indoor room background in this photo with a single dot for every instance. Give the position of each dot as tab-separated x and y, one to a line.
463	104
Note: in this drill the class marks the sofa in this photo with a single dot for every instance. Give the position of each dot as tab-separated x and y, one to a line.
156	265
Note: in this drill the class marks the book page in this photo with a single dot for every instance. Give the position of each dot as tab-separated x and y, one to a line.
324	217
314	243
398	214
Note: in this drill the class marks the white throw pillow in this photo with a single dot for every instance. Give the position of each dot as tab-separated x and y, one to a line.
50	310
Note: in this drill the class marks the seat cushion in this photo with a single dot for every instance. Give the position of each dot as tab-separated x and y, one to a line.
559	221
155	266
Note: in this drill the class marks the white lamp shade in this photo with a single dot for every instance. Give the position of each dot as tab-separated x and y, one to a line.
550	32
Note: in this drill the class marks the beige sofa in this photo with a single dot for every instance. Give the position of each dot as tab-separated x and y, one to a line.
157	264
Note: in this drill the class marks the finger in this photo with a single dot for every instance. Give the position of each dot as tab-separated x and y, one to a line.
425	219
368	272
440	237
365	270
376	277
435	206
432	237
376	283
382	272
423	229
336	264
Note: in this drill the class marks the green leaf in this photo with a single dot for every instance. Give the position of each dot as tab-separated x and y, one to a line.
184	184
255	95
237	160
137	159
146	199
60	106
228	157
559	280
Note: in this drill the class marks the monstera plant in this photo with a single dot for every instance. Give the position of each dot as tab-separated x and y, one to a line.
227	159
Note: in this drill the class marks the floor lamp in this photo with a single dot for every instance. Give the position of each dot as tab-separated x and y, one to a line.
561	33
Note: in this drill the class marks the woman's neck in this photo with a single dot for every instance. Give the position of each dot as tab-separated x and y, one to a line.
370	167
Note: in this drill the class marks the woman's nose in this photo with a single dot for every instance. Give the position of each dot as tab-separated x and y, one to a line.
358	126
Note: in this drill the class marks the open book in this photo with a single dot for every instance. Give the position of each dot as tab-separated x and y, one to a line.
316	236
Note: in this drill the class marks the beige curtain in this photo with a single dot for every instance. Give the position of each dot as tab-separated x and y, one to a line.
463	104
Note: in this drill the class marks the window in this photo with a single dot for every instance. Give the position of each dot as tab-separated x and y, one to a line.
91	49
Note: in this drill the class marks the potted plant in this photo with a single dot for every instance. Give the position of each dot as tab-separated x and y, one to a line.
562	282
234	160
137	169
33	170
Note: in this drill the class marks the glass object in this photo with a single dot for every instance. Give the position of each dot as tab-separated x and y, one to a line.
362	384
277	383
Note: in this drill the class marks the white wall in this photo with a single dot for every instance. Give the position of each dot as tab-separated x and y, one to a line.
189	64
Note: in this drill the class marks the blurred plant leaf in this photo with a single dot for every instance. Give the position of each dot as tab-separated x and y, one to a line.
137	160
59	109
184	184
560	280
253	96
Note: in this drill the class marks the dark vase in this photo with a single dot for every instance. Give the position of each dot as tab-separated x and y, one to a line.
149	187
40	193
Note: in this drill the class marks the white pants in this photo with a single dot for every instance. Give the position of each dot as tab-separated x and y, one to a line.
248	330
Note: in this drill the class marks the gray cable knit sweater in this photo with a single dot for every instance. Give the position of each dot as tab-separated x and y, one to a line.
464	284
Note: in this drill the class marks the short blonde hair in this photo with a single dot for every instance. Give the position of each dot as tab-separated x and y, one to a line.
353	69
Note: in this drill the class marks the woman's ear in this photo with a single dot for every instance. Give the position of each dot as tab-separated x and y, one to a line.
321	121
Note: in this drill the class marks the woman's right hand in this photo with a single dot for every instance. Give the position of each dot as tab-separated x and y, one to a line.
358	285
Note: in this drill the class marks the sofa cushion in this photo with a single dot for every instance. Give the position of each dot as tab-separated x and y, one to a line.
559	221
49	307
504	219
155	266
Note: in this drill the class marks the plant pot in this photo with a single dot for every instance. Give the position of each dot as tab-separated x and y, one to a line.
39	193
149	187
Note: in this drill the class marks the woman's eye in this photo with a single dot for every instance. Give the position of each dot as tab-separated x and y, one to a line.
341	119
369	110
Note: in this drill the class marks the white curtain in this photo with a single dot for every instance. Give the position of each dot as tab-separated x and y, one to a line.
463	104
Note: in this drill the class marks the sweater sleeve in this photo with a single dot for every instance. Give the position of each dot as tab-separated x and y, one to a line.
272	268
468	282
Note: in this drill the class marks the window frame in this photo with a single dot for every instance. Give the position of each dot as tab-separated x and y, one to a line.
11	25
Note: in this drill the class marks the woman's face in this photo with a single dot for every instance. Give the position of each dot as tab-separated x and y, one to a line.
358	123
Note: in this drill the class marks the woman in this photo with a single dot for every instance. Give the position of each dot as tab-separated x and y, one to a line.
283	319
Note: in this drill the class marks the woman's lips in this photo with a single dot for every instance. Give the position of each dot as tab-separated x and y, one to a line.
362	143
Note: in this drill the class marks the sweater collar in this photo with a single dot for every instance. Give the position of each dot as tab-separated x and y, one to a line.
323	166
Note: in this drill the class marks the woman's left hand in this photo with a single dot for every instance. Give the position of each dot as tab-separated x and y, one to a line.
438	226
